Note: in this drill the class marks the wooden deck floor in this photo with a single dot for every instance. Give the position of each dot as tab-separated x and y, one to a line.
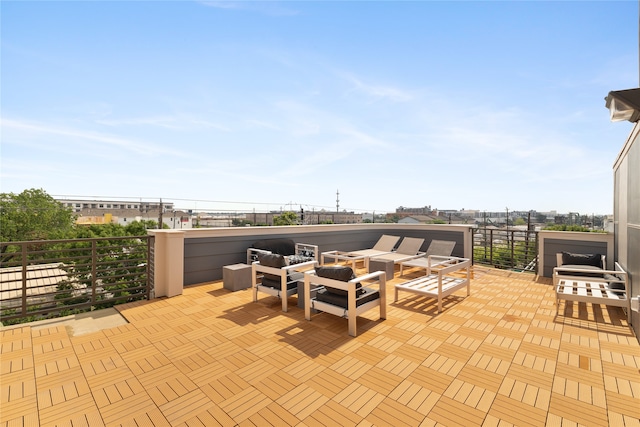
211	357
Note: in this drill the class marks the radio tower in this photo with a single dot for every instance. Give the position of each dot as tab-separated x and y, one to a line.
337	201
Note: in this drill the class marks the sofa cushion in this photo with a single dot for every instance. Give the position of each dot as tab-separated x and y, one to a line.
275	261
582	259
336	272
341	273
277	246
272	260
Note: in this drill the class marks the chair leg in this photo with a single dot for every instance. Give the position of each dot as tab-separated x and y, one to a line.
352	324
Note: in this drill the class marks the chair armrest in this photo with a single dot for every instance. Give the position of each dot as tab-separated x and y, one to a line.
453	264
369	276
252	254
410	257
299	265
307	249
436	260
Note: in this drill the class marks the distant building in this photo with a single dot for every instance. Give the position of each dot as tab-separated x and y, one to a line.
111	205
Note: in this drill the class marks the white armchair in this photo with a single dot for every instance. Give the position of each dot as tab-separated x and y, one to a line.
340	293
272	275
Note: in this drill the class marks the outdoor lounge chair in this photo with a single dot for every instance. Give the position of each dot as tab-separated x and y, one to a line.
276	277
437	254
338	292
385	245
408	249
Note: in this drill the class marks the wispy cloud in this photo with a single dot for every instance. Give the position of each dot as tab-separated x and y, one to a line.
84	137
377	91
264	7
177	123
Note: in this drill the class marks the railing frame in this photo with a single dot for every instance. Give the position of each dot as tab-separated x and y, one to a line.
530	252
84	257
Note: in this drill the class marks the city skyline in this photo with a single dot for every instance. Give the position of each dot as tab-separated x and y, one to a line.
224	105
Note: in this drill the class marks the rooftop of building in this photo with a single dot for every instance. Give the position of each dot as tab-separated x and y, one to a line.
213	357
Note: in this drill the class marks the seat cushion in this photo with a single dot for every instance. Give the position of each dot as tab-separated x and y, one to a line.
582	259
341	273
274	282
615	282
342	301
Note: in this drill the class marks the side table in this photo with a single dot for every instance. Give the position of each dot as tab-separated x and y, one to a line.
236	277
386	265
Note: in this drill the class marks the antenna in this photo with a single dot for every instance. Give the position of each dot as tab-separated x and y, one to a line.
337	201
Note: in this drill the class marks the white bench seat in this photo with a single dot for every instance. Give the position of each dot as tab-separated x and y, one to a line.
589	286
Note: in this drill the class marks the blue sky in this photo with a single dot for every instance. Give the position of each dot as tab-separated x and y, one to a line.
265	105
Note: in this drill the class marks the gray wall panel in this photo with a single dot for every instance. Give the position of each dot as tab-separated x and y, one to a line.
205	257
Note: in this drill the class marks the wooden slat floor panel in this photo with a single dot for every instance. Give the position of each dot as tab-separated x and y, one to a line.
211	357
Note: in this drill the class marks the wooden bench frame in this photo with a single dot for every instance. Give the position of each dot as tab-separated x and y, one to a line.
440	284
570	284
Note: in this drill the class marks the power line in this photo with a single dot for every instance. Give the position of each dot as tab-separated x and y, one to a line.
155	199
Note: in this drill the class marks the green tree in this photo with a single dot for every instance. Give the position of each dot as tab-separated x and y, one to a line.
392	218
139	228
286	218
240	222
33	215
565	227
520	221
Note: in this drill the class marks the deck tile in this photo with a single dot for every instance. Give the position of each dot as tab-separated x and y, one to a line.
212	357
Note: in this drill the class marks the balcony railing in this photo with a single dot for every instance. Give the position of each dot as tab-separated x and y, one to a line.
510	249
43	279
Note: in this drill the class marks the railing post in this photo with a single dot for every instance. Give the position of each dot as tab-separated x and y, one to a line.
491	246
148	267
24	278
94	269
513	246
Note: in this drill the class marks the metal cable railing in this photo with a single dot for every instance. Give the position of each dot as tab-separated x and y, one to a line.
51	278
511	249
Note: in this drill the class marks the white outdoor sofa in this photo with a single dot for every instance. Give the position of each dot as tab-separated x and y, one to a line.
584	278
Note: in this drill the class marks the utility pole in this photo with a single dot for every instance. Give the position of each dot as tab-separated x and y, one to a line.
337	201
160	216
